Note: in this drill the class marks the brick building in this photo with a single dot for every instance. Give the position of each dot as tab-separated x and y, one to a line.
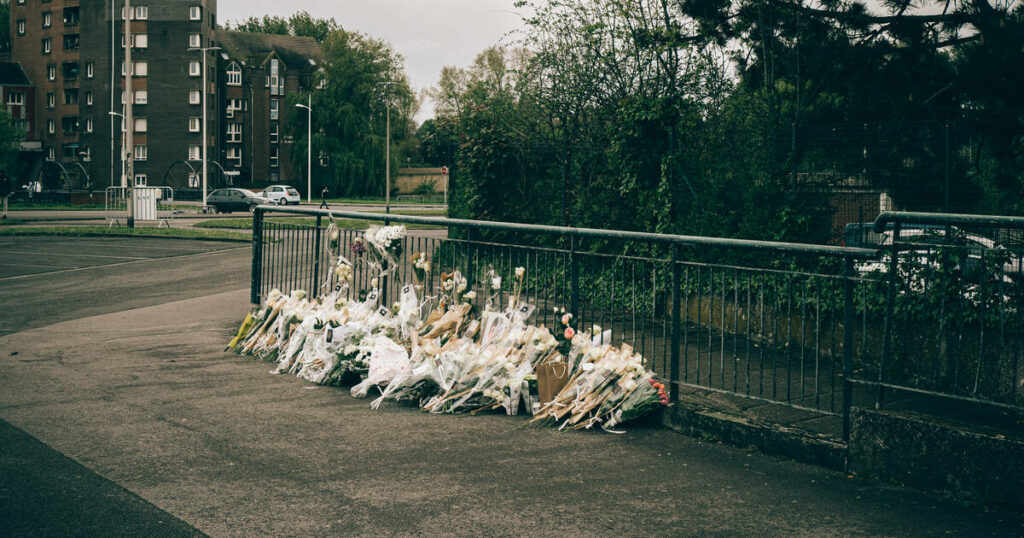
79	78
257	72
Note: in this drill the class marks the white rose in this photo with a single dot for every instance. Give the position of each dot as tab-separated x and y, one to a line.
520	272
469	296
496	283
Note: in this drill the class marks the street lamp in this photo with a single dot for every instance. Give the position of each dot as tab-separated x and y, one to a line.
309	147
387	151
204	50
126	167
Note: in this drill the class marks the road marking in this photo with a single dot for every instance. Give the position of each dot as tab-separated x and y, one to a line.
66	255
20	277
26	265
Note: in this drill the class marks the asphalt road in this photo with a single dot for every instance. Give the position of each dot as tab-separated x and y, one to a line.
45	280
126	418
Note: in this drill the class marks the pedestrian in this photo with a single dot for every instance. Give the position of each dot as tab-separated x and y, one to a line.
323	199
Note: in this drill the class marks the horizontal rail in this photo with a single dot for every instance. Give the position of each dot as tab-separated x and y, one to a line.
917	217
682	240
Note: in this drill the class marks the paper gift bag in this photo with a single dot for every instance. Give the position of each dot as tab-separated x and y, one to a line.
551	379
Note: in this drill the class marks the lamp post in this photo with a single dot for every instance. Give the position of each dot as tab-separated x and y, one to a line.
204	51
309	147
126	169
387	151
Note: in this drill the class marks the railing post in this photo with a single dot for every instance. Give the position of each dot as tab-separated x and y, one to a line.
848	334
257	256
677	274
890	298
315	285
574	278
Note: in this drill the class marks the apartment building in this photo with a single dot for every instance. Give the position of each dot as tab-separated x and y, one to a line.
73	51
257	72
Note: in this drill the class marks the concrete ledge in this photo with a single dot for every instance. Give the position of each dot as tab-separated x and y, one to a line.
930	455
769	438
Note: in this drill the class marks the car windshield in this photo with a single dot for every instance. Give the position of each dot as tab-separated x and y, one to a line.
293	192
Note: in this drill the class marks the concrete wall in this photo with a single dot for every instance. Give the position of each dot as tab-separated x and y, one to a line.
409	179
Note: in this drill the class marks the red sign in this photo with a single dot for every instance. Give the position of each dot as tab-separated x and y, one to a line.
444	170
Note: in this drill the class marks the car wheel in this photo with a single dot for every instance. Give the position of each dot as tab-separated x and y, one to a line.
282	201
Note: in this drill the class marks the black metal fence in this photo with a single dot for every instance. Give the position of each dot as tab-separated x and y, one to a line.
809	326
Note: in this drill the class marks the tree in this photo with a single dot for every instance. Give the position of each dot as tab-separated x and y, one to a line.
5	25
301	23
349	114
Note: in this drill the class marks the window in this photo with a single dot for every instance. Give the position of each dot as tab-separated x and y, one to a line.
21	26
195	68
69	70
273	156
140	180
193	181
69	124
51	100
140	41
71	97
50	153
140	69
141	97
85	154
88	97
141	152
235	152
194	98
195	13
69	151
194	125
193	153
141	125
51	126
274	110
46	19
46	45
15	98
234	132
274	133
141	13
70	16
90	69
21	124
70	41
234	75
88	125
51	72
21	2
195	40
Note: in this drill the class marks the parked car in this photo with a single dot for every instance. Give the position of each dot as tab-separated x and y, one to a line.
282	194
228	200
925	240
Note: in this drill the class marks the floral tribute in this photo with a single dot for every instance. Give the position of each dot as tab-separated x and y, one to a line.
453	358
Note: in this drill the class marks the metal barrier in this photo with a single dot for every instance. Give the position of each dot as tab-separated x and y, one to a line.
149	204
813	327
950	297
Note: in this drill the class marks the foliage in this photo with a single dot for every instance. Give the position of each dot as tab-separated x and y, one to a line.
10	137
349	115
301	23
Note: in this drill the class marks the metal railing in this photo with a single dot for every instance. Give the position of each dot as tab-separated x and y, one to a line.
808	326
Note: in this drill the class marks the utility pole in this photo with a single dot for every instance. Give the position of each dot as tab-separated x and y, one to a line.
387	150
129	134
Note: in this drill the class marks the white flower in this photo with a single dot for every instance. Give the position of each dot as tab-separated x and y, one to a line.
373	282
469	296
520	272
447	285
462	286
496	283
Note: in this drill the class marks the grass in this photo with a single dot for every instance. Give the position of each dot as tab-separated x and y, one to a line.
188	233
12	222
347	224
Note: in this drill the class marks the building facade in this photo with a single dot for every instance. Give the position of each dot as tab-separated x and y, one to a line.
79	79
257	73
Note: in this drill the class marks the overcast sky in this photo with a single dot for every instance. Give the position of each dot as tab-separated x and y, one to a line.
430	34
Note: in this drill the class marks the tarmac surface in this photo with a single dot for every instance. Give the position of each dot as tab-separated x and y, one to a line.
121	415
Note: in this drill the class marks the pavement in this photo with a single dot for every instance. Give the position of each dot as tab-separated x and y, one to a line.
125	417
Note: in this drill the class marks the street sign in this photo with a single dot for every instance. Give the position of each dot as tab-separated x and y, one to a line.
444	170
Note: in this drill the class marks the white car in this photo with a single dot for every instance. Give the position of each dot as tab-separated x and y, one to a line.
282	194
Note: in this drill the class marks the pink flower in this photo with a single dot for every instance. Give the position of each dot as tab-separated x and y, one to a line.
569	333
565	318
